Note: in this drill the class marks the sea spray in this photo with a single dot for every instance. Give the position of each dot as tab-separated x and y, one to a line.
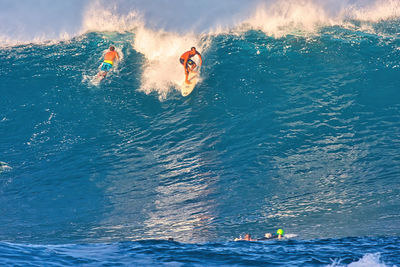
162	50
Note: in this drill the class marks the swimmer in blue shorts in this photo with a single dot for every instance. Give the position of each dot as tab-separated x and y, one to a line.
109	58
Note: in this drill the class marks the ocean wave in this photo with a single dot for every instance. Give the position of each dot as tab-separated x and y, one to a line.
330	253
369	259
275	17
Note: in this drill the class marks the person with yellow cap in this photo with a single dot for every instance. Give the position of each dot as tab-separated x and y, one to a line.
268	236
280	233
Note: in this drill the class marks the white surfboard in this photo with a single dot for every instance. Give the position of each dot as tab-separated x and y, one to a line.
95	80
188	88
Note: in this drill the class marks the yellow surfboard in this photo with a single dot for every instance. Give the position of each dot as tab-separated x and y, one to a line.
186	89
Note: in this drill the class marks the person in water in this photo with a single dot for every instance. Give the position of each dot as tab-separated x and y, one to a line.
267	236
189	64
247	237
109	59
280	233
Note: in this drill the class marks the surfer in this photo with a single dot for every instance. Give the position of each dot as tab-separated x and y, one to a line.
189	64
109	58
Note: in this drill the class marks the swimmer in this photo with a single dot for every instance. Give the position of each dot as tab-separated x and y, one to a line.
268	236
247	237
109	58
186	61
280	233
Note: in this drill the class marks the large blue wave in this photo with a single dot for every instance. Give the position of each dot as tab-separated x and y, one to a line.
290	127
294	126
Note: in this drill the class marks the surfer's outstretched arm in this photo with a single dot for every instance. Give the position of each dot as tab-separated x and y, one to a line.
193	66
201	60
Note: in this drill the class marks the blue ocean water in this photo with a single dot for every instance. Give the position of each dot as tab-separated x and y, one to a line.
299	131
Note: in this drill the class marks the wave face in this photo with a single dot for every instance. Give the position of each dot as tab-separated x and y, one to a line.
295	124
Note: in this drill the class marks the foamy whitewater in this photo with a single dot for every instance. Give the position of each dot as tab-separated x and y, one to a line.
295	124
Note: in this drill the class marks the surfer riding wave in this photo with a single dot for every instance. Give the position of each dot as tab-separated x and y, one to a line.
189	64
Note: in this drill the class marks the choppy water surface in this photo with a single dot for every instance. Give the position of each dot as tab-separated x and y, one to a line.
297	130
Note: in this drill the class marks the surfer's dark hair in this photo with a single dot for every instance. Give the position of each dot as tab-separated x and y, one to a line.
112	48
193	48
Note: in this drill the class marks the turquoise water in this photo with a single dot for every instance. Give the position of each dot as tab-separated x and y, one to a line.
300	132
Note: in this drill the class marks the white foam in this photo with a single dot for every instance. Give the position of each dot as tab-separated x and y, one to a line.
103	17
281	17
4	167
284	17
377	11
288	236
54	20
162	70
368	260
